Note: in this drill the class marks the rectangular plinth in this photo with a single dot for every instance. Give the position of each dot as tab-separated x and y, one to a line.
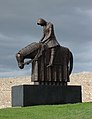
27	95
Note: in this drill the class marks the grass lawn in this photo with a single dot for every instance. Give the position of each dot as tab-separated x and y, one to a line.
67	111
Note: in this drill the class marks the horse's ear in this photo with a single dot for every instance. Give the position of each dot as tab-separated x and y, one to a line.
17	56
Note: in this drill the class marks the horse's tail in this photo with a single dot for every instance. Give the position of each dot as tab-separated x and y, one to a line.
71	63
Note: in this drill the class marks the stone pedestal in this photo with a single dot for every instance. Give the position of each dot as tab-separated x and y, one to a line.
28	95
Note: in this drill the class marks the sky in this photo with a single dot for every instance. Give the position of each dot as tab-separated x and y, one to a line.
72	21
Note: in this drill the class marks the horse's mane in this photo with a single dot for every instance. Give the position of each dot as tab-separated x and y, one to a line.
29	48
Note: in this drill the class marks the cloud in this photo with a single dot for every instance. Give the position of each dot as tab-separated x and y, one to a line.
72	20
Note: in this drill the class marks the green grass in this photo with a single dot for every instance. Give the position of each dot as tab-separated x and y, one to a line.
67	111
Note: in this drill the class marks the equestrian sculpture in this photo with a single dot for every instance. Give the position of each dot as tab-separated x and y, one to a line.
51	63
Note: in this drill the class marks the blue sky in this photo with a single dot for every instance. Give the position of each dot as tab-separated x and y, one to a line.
72	20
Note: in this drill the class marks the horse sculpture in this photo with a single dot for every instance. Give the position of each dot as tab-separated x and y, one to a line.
58	74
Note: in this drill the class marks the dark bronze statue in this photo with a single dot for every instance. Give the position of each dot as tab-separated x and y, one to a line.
51	63
48	38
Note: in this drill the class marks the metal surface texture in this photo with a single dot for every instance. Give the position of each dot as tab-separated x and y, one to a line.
51	63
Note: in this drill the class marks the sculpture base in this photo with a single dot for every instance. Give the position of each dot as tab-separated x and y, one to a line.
28	95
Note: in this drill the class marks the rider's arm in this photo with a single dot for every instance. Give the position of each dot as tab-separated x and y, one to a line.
42	38
49	33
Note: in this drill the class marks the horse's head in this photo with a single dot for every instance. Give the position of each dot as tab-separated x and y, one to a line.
28	52
20	60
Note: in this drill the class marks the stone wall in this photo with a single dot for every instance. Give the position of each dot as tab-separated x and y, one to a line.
5	89
83	79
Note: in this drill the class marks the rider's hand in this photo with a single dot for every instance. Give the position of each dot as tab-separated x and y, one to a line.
50	65
40	41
